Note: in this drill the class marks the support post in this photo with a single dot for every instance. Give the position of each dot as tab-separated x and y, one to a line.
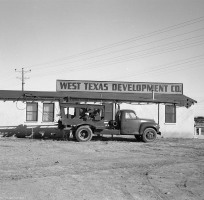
153	94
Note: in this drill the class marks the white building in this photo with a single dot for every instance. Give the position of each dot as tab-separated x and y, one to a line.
166	105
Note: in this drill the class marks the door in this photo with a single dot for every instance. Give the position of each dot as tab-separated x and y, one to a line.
129	123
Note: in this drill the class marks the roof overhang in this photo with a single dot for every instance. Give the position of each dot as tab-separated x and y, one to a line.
16	95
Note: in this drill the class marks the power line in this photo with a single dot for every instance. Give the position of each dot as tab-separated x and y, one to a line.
169	66
134	55
136	46
163	30
132	47
159	67
22	78
131	56
138	54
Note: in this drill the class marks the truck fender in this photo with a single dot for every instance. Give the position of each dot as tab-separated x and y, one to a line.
144	126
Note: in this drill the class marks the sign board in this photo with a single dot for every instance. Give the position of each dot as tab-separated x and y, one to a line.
118	87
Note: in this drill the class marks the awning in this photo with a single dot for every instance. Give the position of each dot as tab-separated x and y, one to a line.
16	95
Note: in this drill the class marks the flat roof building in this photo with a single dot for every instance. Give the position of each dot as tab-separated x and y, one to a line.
164	102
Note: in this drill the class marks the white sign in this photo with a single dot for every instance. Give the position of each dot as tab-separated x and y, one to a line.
119	87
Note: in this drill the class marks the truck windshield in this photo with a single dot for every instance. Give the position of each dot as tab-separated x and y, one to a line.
130	115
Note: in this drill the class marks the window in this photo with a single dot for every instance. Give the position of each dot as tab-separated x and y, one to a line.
31	112
170	114
130	115
48	112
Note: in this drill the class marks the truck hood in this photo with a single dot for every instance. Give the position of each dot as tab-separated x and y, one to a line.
147	120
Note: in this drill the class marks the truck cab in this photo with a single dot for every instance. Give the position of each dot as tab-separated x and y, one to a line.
130	124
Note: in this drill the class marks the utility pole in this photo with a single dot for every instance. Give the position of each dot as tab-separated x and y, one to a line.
22	78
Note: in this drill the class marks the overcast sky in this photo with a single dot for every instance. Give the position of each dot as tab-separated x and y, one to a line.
105	40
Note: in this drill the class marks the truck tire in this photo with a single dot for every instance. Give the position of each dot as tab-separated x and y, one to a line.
83	134
149	135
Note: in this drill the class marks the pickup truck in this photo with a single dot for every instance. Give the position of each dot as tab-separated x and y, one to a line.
85	121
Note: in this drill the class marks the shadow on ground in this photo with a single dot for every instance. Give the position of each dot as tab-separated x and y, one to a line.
39	132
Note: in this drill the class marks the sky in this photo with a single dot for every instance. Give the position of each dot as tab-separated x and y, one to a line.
103	40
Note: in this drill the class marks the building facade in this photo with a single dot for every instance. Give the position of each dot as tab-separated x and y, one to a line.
166	104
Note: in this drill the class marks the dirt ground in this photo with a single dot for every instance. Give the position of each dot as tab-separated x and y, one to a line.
102	169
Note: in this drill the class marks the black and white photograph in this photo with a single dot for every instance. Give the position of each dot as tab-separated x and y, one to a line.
101	99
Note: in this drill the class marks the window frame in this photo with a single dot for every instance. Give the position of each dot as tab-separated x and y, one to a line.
171	115
129	116
36	111
45	112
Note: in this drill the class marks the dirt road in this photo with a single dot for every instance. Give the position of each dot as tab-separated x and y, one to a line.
104	169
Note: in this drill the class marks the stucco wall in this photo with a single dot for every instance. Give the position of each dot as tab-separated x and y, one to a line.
14	114
183	128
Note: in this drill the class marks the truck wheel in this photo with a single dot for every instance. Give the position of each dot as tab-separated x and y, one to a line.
149	135
83	134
